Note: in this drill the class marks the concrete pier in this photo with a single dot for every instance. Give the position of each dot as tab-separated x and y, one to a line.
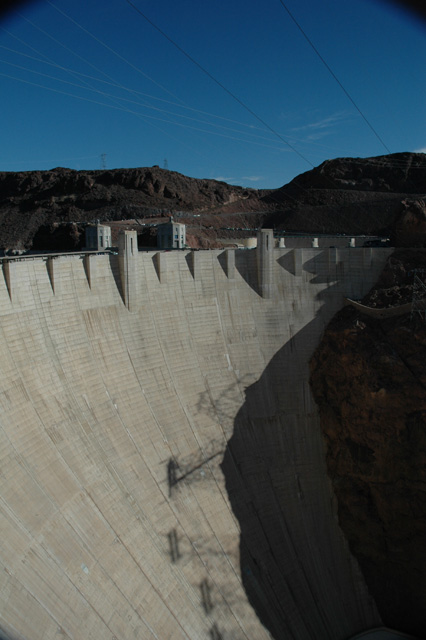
127	262
265	253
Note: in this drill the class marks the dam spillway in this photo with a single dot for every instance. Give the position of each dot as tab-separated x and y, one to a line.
162	469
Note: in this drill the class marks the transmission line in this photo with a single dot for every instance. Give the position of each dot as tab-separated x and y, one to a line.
245	106
311	44
115	84
222	86
111	50
88	86
265	125
240	102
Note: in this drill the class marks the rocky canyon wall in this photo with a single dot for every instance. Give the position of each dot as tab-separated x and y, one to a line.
369	380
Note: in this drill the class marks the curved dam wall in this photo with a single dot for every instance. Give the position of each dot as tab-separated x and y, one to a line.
161	464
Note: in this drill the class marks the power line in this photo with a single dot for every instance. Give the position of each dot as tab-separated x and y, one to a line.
117	99
311	44
135	113
52	63
61	44
113	83
124	60
118	85
112	50
246	107
197	64
287	195
88	86
207	73
121	86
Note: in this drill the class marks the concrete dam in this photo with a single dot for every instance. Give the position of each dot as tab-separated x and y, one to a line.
162	469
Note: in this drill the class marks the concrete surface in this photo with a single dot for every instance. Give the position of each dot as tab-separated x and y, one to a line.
161	466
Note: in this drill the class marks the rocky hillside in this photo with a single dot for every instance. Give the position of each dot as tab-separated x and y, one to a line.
33	200
386	194
368	377
351	195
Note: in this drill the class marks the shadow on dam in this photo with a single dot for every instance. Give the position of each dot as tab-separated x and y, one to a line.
296	569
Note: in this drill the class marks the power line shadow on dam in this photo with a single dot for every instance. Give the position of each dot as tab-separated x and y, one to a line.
294	566
193	468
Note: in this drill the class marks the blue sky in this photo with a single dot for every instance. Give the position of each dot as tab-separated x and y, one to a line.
85	78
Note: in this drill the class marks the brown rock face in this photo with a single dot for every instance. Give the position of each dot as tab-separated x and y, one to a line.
369	380
410	225
350	195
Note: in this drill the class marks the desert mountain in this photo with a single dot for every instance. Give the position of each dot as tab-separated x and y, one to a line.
345	195
351	195
31	201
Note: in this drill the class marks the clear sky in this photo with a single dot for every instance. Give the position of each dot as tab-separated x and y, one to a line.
91	83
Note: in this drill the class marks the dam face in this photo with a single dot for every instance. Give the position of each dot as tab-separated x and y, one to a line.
162	471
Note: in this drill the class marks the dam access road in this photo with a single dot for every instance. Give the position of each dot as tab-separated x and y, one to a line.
162	470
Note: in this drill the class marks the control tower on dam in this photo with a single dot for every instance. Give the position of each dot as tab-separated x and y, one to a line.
162	472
